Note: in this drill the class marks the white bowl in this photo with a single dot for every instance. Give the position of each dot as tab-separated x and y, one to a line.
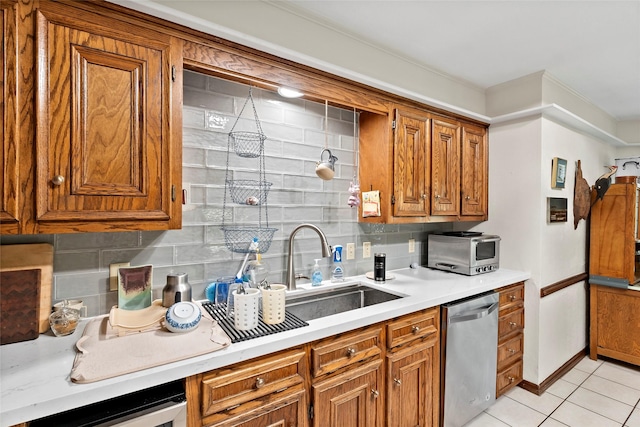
182	316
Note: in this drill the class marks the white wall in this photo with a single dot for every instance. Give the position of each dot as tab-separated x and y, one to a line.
519	184
514	191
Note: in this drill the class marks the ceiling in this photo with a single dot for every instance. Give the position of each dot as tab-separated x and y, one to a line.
591	46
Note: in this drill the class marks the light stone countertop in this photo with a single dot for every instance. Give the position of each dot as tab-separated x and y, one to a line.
34	375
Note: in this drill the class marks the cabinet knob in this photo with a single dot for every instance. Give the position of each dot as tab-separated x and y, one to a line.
375	393
511	379
467	198
510	350
398	381
512	297
415	329
351	352
57	180
423	196
437	196
260	382
513	324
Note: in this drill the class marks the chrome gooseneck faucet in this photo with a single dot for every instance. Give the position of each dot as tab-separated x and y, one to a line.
290	280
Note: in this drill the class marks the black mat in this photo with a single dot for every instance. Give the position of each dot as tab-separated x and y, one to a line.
219	313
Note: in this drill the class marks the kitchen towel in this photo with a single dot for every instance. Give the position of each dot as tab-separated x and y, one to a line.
103	354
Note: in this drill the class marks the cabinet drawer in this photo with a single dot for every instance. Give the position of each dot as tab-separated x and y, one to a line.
511	297
332	354
509	378
510	351
230	387
511	322
413	326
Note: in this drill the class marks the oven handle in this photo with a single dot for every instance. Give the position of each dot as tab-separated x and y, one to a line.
488	239
170	412
476	313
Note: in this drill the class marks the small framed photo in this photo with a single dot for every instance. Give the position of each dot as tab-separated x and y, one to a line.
558	172
556	209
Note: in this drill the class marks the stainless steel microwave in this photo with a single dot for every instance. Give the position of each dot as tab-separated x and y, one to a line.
468	253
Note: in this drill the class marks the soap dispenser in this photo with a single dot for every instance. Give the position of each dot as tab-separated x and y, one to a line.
316	275
337	272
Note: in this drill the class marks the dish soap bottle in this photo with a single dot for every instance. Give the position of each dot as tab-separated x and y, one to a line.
316	275
337	272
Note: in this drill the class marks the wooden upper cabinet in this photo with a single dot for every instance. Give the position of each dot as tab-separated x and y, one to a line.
445	167
410	164
9	194
107	113
612	246
473	173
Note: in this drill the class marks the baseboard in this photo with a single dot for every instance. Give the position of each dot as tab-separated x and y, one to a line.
544	385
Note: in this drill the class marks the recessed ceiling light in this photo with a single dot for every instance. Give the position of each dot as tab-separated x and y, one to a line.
289	93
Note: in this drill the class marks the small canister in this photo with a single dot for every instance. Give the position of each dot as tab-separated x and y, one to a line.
176	290
379	267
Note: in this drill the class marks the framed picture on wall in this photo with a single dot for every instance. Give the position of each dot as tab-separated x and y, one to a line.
558	172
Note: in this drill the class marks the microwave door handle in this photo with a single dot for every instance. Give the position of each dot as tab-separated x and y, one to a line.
474	314
447	266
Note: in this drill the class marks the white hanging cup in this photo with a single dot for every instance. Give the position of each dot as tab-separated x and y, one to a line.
325	169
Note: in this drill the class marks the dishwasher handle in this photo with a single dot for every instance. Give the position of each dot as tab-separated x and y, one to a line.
476	313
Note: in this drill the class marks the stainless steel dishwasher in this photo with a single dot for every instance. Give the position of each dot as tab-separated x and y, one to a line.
470	354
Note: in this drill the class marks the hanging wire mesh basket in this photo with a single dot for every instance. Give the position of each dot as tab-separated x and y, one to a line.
238	238
248	143
248	192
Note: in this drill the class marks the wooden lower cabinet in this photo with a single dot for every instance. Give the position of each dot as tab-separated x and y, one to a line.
510	337
614	323
248	393
386	374
351	399
413	370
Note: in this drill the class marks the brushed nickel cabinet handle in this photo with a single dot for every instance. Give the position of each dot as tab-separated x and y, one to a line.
260	382
467	198
437	196
415	329
375	393
351	352
511	379
424	196
512	297
510	350
512	324
57	180
398	381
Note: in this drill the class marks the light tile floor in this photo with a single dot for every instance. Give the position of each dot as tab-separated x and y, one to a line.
593	394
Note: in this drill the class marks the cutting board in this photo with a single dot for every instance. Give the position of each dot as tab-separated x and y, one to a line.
34	256
19	305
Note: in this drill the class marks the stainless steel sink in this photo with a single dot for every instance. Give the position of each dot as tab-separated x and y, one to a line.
316	304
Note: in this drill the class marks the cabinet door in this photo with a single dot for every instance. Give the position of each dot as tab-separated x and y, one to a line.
287	412
613	231
445	167
473	189
9	116
351	399
410	165
104	148
411	387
